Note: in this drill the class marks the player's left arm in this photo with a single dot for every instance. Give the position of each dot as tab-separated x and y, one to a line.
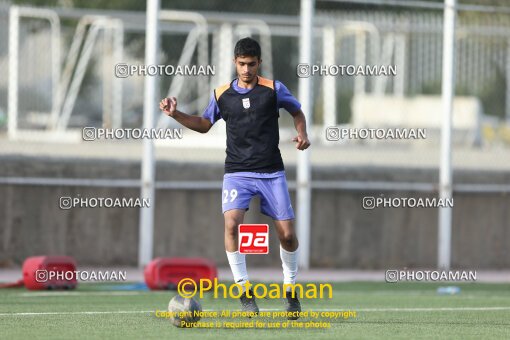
287	101
302	136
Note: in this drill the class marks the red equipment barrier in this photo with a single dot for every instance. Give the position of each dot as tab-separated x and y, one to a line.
165	273
49	272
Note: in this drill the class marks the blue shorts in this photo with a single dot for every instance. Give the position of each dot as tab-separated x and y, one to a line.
240	187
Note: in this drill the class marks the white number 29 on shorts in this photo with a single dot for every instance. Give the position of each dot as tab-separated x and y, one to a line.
233	195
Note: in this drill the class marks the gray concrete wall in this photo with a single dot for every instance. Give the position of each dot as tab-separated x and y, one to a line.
190	223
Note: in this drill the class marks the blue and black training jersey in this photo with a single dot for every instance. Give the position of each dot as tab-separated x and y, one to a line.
251	117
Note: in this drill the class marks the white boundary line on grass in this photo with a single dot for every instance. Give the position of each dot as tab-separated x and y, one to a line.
440	309
78	313
58	294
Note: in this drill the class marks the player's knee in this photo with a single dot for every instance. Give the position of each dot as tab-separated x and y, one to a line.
231	226
288	238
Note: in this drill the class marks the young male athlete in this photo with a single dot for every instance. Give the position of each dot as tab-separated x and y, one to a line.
253	166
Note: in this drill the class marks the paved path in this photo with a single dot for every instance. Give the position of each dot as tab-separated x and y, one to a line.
275	274
386	155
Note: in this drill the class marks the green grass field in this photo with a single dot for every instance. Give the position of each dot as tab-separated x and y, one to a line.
401	310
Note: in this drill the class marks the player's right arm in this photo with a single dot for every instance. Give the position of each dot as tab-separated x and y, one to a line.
199	124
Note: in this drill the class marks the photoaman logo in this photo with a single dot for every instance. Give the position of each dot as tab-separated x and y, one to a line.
253	238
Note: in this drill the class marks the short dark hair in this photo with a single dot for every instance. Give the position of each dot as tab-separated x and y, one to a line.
247	47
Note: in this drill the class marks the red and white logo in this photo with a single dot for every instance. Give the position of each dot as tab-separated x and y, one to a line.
253	238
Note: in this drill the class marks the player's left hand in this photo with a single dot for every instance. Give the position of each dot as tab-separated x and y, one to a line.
302	142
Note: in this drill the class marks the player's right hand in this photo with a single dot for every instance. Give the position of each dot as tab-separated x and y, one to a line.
168	106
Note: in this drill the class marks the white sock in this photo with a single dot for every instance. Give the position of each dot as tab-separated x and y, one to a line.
237	264
289	265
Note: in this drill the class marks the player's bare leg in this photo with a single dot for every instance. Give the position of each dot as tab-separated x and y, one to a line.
233	218
236	260
289	253
287	235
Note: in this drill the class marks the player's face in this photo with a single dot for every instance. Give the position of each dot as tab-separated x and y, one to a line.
247	68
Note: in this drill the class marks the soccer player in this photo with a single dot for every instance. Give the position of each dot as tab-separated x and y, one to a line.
249	105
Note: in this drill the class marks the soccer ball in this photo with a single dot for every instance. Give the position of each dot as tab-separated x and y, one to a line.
184	309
